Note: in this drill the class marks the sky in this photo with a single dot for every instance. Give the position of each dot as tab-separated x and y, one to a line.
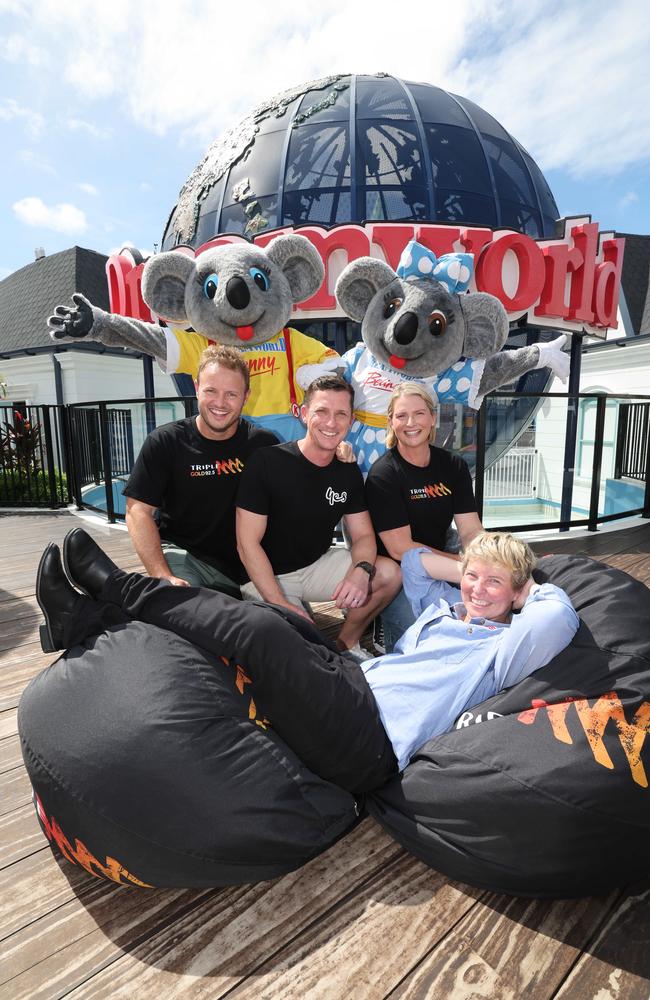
106	107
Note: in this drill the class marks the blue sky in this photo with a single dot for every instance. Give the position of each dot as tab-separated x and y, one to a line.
105	108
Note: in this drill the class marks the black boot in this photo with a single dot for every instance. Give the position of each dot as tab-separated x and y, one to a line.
58	601
86	564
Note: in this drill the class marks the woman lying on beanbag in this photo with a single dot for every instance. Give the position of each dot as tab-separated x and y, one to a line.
483	625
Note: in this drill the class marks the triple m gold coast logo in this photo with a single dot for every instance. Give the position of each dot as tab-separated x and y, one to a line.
606	713
228	467
430	492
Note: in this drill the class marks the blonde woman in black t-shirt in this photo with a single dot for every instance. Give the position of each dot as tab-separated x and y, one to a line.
415	491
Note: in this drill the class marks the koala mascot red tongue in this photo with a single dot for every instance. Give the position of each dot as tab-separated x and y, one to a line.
240	295
418	325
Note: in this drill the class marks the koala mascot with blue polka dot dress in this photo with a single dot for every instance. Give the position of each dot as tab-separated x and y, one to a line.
418	325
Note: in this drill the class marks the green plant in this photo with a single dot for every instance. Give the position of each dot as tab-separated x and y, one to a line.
18	489
20	444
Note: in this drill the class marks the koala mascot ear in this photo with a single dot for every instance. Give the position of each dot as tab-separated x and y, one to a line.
163	284
359	282
486	324
300	262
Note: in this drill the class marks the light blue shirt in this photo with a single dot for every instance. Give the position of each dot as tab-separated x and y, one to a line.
443	665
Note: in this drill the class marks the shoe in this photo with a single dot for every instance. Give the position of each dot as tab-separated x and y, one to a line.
56	598
86	564
359	653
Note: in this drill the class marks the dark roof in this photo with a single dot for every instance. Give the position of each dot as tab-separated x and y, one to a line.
635	280
28	296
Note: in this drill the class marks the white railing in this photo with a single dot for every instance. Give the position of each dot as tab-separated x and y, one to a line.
514	475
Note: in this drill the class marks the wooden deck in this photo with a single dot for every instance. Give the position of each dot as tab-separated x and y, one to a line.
364	920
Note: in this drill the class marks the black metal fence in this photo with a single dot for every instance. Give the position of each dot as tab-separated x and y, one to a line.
34	456
51	456
86	422
632	441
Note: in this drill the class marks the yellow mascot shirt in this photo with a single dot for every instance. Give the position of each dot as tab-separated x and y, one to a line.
271	381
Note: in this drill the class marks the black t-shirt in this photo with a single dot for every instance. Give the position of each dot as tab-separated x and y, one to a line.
193	482
302	501
427	498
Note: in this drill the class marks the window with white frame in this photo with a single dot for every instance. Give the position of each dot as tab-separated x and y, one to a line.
587	436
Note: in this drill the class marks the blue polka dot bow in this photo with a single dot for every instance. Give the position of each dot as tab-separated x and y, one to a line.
453	270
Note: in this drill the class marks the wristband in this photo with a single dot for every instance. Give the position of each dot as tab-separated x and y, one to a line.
366	567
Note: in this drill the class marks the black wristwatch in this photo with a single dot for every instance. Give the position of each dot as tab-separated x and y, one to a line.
366	567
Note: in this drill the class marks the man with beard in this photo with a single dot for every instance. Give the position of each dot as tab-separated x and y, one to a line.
181	493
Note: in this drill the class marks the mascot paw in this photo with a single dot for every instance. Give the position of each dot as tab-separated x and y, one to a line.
552	356
72	321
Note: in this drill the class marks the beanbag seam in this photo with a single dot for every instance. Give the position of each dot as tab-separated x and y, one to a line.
538	791
149	840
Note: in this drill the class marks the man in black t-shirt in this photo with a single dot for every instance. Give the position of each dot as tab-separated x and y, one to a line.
291	498
181	493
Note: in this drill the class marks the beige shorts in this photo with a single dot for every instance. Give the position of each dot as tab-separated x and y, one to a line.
316	582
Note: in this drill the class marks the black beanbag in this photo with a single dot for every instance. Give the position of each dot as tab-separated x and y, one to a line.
543	789
151	765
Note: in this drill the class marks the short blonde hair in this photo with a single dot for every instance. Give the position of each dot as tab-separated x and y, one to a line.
506	550
408	389
225	357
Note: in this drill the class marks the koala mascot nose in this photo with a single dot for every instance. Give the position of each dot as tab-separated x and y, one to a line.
237	293
406	328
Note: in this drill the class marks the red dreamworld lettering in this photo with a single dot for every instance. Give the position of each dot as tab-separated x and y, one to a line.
345	243
124	287
439	239
571	282
607	281
490	275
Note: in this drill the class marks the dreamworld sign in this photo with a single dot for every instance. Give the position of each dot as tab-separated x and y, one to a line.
570	283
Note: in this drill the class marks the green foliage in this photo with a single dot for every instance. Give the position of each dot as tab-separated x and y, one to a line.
20	444
18	489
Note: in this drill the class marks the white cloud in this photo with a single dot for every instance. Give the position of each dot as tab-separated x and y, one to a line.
88	188
630	198
11	110
79	125
569	81
571	84
36	161
145	187
17	49
62	218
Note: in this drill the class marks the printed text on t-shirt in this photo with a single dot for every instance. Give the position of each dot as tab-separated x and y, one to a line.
333	497
430	492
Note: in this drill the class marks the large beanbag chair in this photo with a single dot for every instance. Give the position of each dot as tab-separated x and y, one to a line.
543	789
152	766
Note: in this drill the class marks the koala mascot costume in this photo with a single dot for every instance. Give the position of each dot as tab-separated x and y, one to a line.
418	326
236	295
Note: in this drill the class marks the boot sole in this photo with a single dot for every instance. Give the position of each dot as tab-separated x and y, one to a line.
45	631
66	565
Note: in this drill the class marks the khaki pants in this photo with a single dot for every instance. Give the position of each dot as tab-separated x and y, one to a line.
316	582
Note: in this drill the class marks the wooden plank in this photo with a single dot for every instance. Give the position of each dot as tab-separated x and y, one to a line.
80	938
214	945
10	754
17	608
508	948
39	884
8	724
15	790
365	946
616	966
20	835
13	682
